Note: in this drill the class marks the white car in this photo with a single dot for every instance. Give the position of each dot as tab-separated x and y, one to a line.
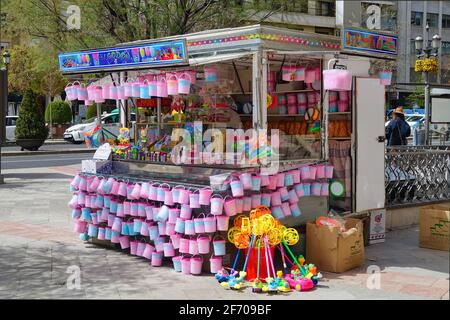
110	121
11	128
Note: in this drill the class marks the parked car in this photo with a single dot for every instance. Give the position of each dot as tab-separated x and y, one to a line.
110	122
11	128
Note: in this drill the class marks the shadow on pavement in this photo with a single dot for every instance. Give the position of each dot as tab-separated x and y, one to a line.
34	175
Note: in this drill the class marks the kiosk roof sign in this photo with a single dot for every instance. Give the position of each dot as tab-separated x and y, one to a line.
149	55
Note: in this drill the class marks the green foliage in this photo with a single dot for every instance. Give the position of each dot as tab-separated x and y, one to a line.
60	112
417	98
92	111
30	124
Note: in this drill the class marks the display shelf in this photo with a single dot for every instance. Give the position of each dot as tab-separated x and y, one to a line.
339	138
339	113
276	115
294	91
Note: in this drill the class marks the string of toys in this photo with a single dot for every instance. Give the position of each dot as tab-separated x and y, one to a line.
263	231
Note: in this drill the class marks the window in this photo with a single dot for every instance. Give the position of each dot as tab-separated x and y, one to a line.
433	20
446	21
416	18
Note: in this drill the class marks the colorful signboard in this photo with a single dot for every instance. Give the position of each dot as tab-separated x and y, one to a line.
124	58
370	42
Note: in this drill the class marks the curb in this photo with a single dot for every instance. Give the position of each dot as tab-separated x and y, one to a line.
36	153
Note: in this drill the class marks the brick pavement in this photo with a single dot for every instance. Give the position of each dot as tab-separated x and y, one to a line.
37	246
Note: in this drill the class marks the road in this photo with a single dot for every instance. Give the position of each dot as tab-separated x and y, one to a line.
39	161
49	146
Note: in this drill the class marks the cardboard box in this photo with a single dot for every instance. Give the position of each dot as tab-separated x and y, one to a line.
333	251
434	225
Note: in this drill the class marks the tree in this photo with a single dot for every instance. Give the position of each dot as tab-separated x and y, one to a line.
417	98
30	124
60	113
91	111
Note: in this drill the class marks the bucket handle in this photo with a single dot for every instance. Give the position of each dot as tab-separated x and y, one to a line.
171	76
218	236
216	194
202	213
205	188
185	74
164	184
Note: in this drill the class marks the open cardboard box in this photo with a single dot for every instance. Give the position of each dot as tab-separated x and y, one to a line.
333	251
434	227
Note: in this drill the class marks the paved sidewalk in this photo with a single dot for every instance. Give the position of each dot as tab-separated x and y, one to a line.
37	246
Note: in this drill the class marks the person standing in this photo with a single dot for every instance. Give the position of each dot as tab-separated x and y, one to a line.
398	129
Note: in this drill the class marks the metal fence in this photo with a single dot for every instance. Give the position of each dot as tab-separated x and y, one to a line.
417	174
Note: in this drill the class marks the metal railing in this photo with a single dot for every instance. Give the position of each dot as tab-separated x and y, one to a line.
417	174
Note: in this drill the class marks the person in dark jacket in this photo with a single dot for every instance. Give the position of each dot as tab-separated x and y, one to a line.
398	129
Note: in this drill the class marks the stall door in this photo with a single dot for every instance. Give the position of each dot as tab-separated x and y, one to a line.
369	160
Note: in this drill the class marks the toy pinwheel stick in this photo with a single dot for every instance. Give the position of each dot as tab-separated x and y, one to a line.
270	256
284	255
283	259
236	259
293	258
267	261
257	268
252	239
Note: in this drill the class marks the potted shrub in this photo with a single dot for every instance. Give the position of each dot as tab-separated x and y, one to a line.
59	113
30	127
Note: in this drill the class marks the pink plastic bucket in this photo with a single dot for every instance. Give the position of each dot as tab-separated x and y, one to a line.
179	225
210	224
169	250
172	84
223	223
215	264
152	87
168	197
288	73
193	246
275	198
149	249
264	180
295	176
113	92
280	179
316	188
161	86
324	190
272	182
124	242
199	224
186	265
286	209
210	73
310	75
247	204
184	83
170	228
133	247
293	197
246	179
343	106
203	244
230	207
184	245
175	238
144	229
256	200
174	213
329	172
305	173
217	205
159	244
153	232
157	258
194	200
152	191
277	212
239	205
101	233
183	196
177	263
140	249
161	229
237	188
337	80
219	246
205	196
299	74
189	228
320	171
266	199
196	265
185	212
80	226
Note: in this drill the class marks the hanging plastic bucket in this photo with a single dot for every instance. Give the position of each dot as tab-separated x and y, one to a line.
113	92
196	265
299	74
256	200
329	172
310	75
101	233
144	229
115	236
239	205
264	180
217	203
286	209
143	90
124	242
161	192
172	84
127	208
215	264
230	206
124	229
316	188
324	190
82	93
280	179
117	225
140	249
76	214
149	249
111	218
266	199
293	197
183	196
246	179
91	90
204	244
277	212
161	87
256	183
199	224
152	87
305	173
177	263
141	210
159	244
193	246
385	77
175	238
210	224
288	179
169	250
108	233
136	89
157	258
184	83
237	188
194	200
205	196
210	73
247	204
189	228
153	232
152	191
162	229
223	223
219	246
136	193
71	92
174	213
288	72
184	245
121	93
186	265
168	198
185	212
337	80
137	225
272	182
179	225
284	194
176	193
120	211
99	95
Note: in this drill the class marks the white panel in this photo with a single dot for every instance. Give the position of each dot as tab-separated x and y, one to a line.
440	110
369	188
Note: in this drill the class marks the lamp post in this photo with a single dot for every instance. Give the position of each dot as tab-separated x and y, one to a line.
425	53
3	104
